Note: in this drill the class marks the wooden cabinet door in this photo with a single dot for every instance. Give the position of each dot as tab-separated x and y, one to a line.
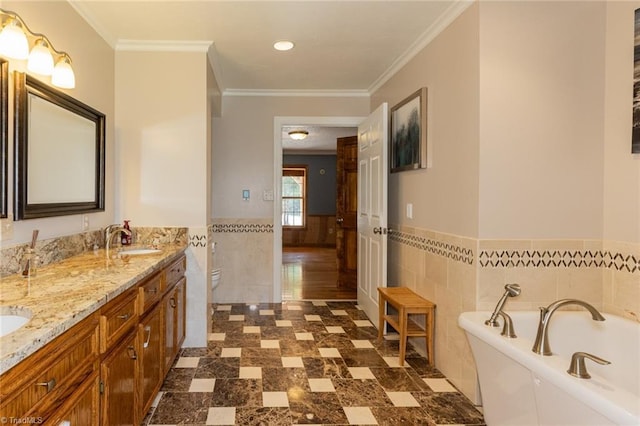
181	297
84	407
119	371
150	347
168	306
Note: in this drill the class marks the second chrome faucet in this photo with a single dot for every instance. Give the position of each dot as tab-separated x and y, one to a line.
541	344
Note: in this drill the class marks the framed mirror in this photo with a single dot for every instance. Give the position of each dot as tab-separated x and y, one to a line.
59	152
4	144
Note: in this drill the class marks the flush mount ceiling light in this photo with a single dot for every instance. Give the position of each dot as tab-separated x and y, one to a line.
298	135
15	41
283	45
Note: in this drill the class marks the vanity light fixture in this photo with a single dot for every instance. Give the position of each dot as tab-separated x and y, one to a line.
15	39
298	135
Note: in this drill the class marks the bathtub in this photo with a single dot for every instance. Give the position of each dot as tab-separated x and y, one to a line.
519	387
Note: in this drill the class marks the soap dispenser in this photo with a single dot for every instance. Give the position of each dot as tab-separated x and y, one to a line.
125	239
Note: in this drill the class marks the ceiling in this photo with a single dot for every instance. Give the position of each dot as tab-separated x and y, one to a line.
341	47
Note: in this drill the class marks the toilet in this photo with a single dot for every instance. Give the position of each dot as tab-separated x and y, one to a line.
215	278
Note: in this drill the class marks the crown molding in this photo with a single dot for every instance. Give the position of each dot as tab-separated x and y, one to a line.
94	23
300	93
163	45
427	37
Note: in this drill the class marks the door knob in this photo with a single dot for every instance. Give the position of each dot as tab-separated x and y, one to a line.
340	220
377	230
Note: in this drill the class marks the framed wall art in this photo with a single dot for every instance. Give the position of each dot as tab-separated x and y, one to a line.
635	132
408	139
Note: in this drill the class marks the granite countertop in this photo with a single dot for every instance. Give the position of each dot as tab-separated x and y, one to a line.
64	293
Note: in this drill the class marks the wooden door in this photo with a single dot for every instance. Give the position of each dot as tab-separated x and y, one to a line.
119	371
373	169
347	210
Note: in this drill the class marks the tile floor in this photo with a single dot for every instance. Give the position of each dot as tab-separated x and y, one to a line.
304	363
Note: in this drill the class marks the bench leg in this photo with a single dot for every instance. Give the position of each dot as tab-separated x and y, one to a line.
402	318
381	312
429	336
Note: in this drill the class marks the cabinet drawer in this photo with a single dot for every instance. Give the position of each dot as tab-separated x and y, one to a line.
117	318
176	271
150	292
40	384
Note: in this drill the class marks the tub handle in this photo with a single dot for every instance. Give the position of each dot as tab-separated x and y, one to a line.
578	369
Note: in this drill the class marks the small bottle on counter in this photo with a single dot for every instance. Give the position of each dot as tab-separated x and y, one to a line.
125	239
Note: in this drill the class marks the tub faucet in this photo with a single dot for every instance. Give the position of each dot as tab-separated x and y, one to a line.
512	290
541	345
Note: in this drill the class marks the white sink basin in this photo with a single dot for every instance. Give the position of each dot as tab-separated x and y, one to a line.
12	319
139	251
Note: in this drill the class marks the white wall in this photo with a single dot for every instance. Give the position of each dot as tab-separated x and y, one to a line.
163	152
93	65
621	169
445	195
541	119
243	146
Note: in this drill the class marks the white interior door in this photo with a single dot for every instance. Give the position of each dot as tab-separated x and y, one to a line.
373	168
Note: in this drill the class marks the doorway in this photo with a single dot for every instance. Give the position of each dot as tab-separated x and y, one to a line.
301	259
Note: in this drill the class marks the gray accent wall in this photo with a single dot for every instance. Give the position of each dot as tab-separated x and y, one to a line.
321	198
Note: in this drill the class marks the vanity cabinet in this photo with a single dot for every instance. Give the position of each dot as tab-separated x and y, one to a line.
107	369
53	377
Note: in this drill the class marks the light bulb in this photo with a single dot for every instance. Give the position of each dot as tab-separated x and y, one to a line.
63	74
40	59
13	41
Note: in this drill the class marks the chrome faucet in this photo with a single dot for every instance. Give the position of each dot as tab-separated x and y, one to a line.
110	231
512	290
541	345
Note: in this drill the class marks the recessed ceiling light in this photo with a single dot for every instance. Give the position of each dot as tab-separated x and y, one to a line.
283	45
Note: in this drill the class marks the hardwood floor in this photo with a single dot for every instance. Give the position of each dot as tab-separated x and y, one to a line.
310	273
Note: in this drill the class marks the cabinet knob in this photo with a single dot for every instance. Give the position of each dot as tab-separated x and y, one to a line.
152	290
172	302
123	317
49	385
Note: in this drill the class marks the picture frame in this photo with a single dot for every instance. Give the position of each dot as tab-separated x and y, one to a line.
635	130
408	133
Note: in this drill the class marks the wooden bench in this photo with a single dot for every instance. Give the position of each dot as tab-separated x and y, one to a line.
406	302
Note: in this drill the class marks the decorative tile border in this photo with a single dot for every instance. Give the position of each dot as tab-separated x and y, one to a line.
559	259
197	240
439	248
241	228
618	260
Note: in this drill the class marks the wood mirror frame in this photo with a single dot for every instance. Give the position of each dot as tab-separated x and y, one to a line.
67	175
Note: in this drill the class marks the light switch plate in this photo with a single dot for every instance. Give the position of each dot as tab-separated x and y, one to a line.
409	211
267	195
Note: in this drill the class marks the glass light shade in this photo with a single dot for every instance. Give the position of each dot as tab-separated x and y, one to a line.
63	75
13	41
298	135
40	59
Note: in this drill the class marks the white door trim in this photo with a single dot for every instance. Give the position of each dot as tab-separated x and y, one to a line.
278	123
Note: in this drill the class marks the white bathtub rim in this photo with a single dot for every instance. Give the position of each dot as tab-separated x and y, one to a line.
619	405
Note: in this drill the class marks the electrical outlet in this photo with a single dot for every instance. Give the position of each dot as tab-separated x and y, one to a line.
85	222
267	195
6	228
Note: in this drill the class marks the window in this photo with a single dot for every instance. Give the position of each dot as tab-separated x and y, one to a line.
294	196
